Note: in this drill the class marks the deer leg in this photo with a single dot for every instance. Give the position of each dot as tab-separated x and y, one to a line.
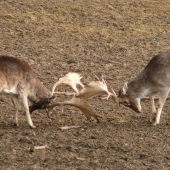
162	99
15	103
25	103
137	105
153	109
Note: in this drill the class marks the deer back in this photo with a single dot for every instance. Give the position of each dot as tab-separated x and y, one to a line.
16	77
154	76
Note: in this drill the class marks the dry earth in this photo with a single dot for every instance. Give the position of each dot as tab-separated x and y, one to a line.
111	38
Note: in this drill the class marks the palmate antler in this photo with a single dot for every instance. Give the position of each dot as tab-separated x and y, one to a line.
93	89
97	89
70	79
82	104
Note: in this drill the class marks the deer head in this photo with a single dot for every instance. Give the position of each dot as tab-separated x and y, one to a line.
126	97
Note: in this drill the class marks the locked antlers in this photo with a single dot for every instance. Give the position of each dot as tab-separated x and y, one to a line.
93	89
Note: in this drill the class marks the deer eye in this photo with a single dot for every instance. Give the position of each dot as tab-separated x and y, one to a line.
126	102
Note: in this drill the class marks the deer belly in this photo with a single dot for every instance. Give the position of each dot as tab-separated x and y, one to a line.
12	91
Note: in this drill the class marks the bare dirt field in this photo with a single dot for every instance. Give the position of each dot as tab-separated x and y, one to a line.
112	38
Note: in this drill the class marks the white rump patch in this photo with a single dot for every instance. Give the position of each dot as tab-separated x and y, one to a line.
145	92
11	91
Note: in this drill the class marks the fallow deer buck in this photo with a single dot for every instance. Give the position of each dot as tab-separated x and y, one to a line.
153	79
18	80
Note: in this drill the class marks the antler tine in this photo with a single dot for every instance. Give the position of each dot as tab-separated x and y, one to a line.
114	93
110	90
97	77
105	87
54	87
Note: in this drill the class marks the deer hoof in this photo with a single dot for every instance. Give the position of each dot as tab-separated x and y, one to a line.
32	126
155	123
16	124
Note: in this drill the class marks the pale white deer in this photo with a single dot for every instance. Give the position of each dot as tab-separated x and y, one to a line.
153	79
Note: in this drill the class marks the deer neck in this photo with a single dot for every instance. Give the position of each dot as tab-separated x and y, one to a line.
138	88
39	92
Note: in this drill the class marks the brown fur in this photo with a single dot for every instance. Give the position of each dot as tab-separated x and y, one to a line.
16	74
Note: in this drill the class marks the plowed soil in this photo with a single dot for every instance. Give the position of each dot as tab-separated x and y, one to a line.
115	39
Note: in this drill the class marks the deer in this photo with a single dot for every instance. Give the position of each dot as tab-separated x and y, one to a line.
153	80
19	81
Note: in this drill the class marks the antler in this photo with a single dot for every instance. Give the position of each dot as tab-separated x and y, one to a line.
93	89
96	89
82	104
70	79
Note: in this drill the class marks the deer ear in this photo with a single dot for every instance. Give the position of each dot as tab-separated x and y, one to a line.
125	88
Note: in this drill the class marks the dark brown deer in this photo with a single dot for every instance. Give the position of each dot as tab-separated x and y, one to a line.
18	80
153	79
